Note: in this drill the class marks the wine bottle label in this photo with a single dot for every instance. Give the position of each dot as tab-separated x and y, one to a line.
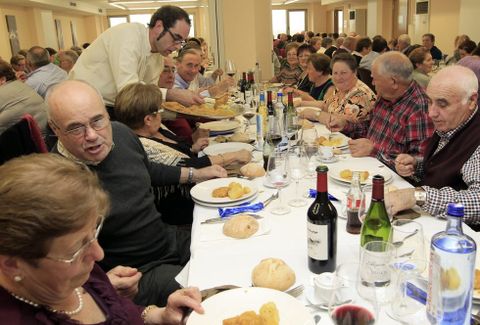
317	241
450	286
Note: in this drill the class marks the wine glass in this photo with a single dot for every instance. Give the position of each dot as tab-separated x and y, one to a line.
310	146
407	237
292	127
274	133
230	68
346	305
278	174
298	164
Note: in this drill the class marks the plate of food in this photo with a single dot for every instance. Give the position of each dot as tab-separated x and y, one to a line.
236	137
219	148
220	126
224	190
343	173
335	140
249	305
207	110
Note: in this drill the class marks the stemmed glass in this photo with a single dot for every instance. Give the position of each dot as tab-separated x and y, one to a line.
310	146
346	305
298	165
278	174
407	237
230	68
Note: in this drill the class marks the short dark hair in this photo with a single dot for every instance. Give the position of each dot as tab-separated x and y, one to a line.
468	46
335	36
379	44
305	48
418	55
299	38
38	56
320	62
51	51
6	71
363	43
324	35
16	59
169	15
85	45
477	50
430	35
347	58
326	41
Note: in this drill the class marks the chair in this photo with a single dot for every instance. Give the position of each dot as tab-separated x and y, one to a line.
21	139
365	75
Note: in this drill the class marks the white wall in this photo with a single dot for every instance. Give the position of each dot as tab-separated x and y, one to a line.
468	24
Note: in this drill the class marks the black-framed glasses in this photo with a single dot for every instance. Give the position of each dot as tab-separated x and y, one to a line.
177	39
97	123
83	248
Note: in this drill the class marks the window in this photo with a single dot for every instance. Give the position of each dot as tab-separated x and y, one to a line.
288	21
143	19
113	21
338	25
192	26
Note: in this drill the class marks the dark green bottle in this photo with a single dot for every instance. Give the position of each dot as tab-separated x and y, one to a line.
376	225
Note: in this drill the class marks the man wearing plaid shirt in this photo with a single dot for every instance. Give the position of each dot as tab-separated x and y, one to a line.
450	171
399	121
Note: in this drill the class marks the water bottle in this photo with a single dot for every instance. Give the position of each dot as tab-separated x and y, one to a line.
452	265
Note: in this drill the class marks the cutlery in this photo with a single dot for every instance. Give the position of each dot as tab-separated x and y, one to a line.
224	219
324	306
226	212
400	242
296	291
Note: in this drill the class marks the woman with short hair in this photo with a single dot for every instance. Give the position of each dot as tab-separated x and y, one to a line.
51	212
290	71
422	63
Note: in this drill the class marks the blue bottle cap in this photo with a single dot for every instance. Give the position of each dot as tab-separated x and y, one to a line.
455	209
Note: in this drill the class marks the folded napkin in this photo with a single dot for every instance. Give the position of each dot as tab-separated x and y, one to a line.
245	207
313	193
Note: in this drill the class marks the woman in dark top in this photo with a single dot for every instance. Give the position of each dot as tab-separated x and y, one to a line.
49	250
303	53
137	106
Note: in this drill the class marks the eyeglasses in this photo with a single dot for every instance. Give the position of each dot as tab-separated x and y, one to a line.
83	248
169	69
159	111
177	39
97	123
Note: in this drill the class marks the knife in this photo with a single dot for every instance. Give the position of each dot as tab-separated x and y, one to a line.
222	220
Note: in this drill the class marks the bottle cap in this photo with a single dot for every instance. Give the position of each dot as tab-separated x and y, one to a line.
321	169
377	179
455	209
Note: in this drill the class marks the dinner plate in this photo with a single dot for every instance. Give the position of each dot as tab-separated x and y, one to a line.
334	173
220	126
220	114
203	191
219	148
234	302
339	140
225	205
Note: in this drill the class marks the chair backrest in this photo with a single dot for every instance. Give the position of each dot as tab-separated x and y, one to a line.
365	75
23	138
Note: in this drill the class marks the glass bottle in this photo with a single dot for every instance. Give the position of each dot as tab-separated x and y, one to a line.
452	267
322	228
376	225
354	204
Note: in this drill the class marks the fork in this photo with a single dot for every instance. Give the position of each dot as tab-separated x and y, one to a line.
270	199
296	291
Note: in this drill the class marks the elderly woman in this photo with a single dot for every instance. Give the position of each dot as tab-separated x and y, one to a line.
137	106
290	70
351	97
422	63
48	250
303	53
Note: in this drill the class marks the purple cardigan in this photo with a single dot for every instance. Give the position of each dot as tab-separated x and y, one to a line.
118	310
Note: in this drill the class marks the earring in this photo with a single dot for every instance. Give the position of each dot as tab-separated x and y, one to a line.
17	278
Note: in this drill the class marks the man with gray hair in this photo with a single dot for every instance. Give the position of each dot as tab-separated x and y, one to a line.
399	121
43	73
404	43
67	59
450	168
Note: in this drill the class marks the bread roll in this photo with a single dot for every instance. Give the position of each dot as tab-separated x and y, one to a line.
240	226
273	273
239	137
252	170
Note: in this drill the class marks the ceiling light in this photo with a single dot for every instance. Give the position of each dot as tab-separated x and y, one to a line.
289	2
118	6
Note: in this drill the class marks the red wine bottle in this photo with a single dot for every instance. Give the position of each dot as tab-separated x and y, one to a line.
352	315
322	228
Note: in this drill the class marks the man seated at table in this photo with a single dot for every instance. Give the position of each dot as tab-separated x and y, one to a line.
428	41
399	121
450	169
134	234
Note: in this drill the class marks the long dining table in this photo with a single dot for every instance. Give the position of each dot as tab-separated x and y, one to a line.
227	261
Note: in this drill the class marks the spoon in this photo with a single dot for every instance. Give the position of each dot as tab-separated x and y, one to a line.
400	242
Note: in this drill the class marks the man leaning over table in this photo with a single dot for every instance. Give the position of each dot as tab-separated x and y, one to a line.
450	169
399	121
130	52
133	234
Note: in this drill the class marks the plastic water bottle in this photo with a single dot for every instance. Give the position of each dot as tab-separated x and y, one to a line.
452	265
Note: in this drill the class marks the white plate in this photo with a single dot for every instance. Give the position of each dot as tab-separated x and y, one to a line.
216	149
203	191
234	302
334	173
214	231
220	126
327	160
225	205
341	137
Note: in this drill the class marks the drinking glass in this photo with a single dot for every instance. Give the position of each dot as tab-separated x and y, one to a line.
274	133
407	237
310	146
298	164
230	68
346	305
376	258
278	174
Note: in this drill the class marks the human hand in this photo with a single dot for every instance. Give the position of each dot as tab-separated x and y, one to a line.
308	113
200	133
337	123
199	144
399	200
184	97
360	147
405	165
217	73
203	174
125	280
178	301
21	75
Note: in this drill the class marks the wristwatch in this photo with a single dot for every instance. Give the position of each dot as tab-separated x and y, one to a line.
420	196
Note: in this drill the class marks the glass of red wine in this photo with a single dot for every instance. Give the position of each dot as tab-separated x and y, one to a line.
346	306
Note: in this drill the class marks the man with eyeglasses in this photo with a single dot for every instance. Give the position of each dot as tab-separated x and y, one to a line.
129	53
133	234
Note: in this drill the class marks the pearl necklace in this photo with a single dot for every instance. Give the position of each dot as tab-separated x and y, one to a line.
70	312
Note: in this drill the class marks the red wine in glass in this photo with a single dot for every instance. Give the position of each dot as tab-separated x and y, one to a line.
231	74
352	315
275	138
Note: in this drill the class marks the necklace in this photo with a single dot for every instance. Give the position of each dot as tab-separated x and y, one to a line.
66	312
